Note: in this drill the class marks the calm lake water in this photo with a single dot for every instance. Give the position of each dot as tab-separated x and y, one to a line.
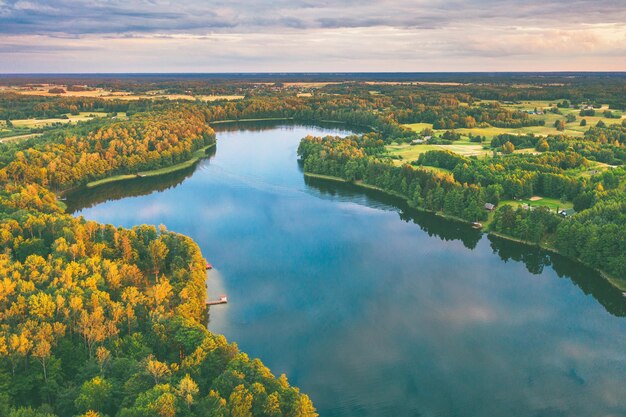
373	309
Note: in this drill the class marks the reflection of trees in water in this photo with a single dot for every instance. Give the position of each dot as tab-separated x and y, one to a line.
89	197
588	280
533	257
430	223
254	126
444	229
260	125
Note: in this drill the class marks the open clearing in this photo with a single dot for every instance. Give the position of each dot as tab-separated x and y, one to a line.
553	204
112	95
21	129
18	138
571	128
36	123
410	153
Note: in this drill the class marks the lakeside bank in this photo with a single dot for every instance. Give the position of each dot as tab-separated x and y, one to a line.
197	155
614	281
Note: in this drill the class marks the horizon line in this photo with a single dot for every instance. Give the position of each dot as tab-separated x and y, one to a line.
315	72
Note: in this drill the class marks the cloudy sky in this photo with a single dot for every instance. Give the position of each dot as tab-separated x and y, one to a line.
309	35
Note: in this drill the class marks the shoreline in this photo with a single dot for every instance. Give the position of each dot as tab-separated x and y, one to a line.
181	165
275	119
198	154
366	186
293	119
614	281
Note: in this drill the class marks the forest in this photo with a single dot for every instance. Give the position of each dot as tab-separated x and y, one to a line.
103	321
461	187
97	320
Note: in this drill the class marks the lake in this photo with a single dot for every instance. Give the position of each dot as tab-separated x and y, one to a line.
374	309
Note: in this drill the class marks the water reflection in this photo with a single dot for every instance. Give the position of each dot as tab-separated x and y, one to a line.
428	222
286	125
374	309
533	258
88	197
588	280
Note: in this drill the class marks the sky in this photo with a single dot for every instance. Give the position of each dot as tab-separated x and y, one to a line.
105	36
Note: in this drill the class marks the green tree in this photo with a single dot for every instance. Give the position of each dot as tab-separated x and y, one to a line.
304	407
508	147
240	402
272	405
157	251
95	394
187	390
165	405
542	146
29	412
559	125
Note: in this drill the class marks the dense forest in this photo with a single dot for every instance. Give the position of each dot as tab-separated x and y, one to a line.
97	320
461	187
575	87
103	321
146	141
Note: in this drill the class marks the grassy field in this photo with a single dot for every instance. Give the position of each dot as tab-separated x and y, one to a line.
587	171
527	150
18	138
43	91
418	127
410	153
35	123
435	169
176	97
107	94
553	204
572	128
155	172
22	127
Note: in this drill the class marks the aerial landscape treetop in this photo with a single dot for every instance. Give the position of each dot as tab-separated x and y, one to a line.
302	209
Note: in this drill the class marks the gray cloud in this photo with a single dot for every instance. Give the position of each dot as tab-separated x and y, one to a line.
142	16
302	35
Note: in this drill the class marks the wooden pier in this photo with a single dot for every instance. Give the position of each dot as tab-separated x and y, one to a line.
223	300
